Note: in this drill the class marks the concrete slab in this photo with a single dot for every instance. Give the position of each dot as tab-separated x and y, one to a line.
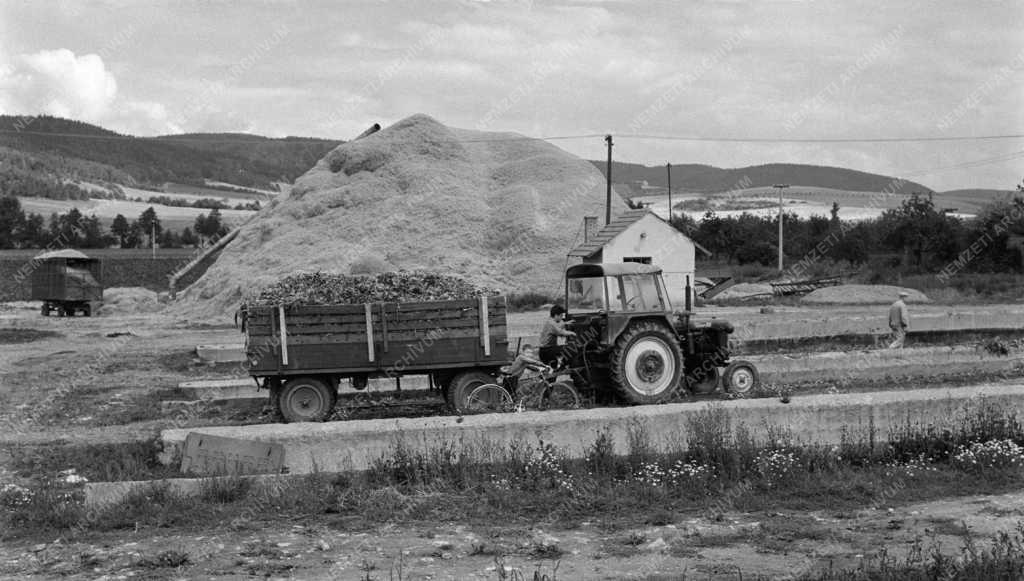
846	361
822	419
221	353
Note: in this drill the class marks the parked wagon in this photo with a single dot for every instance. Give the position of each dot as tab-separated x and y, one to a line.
68	282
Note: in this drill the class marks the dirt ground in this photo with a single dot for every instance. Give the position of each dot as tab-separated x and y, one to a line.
740	546
101	379
96	380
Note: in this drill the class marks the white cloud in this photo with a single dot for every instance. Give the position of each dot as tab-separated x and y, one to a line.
63	84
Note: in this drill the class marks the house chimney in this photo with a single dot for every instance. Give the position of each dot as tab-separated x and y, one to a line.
589	228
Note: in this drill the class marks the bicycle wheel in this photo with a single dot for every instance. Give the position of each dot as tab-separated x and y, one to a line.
489	397
561	395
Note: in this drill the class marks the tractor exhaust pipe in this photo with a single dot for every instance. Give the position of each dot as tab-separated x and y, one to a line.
689	290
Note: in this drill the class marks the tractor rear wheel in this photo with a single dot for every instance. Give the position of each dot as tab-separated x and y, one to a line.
306	399
702	380
462	384
646	363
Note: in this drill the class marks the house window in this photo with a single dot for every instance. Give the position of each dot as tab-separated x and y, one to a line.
640	259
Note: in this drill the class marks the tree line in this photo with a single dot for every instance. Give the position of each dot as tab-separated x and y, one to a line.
915	237
76	230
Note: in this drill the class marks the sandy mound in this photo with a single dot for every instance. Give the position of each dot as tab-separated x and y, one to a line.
416	195
129	300
744	290
863	294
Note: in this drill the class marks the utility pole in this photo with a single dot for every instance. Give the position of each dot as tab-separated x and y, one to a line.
608	206
668	166
152	237
780	187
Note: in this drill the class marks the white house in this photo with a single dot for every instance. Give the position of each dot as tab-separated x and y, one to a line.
642	236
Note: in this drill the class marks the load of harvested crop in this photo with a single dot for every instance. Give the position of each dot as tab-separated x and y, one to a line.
323	288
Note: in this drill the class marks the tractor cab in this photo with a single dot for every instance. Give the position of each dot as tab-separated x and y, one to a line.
615	288
626	328
607	297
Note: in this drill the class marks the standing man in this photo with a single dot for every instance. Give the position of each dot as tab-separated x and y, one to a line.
554	328
899	321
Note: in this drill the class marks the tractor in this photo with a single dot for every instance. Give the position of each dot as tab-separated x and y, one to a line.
629	338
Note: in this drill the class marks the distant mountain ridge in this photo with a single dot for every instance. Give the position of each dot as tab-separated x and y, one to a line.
242	159
710	179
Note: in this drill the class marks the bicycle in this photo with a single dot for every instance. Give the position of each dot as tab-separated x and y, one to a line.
535	387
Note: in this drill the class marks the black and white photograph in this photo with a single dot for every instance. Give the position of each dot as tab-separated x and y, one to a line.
512	290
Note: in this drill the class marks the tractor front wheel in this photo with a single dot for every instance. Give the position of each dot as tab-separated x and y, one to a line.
740	377
646	363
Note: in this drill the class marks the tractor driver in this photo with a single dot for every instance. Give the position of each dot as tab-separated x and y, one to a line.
550	351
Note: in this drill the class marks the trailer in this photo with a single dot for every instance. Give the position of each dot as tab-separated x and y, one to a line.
67	282
301	354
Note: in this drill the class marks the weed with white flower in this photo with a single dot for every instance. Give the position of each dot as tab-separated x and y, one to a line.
991	455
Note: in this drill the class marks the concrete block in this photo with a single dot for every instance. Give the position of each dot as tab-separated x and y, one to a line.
824	419
221	353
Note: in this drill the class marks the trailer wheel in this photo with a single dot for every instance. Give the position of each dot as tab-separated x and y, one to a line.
461	386
646	363
306	399
740	377
46	309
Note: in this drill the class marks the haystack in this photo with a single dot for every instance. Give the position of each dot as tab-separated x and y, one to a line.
499	209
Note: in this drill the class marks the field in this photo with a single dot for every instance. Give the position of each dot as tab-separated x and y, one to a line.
92	392
806	202
173	217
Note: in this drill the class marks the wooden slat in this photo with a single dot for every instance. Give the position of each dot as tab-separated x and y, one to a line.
494	331
395	339
384	324
369	332
306	328
485	338
303	319
284	338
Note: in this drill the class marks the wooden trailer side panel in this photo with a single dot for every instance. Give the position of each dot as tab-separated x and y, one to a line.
380	337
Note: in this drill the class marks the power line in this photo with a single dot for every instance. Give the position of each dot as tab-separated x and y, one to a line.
257	139
966	164
818	139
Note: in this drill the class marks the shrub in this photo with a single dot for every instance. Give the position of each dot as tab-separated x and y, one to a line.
981	457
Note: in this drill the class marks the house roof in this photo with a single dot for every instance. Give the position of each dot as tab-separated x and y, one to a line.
618	225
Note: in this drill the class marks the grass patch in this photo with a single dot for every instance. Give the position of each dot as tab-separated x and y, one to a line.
17	335
722	469
1002	559
165	559
102	462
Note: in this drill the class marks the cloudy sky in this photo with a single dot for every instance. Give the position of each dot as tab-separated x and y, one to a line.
767	71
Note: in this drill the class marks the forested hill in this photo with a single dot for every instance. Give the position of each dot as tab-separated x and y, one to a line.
86	150
710	179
